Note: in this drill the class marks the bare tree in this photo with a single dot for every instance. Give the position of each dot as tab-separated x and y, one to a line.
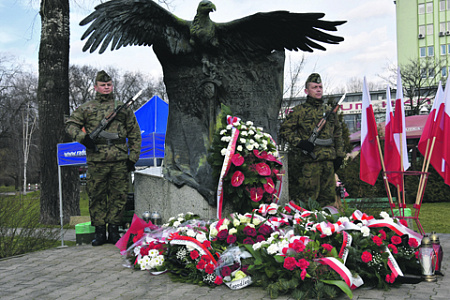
53	97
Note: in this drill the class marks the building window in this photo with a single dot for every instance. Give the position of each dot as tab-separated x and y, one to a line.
430	29
444	72
422	8
429	7
442	26
422	30
430	50
442	5
423	52
443	49
448	4
431	72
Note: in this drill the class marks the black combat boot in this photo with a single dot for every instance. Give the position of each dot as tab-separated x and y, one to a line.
100	235
113	233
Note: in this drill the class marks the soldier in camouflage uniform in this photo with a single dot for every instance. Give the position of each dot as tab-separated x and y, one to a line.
316	180
109	167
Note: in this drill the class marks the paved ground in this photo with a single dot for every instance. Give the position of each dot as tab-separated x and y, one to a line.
86	272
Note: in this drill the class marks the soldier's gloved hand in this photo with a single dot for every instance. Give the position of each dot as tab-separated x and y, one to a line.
337	163
130	165
88	142
306	145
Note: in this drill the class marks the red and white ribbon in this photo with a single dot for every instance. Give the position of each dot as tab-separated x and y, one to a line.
227	162
342	270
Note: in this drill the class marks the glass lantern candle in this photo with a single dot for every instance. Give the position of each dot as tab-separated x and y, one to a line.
427	258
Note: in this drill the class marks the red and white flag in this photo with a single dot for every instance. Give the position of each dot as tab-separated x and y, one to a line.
370	162
445	169
429	130
391	152
399	124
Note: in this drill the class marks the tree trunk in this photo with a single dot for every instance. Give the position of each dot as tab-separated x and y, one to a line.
53	98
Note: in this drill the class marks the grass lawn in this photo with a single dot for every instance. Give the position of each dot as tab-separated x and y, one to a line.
434	217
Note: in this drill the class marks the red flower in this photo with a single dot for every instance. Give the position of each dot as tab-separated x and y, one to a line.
269	187
207	244
223	234
194	254
261	155
403	222
297	246
390	278
366	256
144	251
206	258
302	264
237	159
327	247
218	280
250	231
413	243
303	274
396	240
209	269
231	239
393	248
237	179
256	194
226	271
248	241
382	234
138	236
263	169
201	264
260	238
265	229
290	263
377	240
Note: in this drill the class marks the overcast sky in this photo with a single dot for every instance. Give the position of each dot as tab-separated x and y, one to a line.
368	49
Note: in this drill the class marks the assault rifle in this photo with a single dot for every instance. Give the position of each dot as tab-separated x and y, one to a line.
316	131
99	130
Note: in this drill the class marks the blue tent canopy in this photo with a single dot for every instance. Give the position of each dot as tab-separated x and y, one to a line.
152	119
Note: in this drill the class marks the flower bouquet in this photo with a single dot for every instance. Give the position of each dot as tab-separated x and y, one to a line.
252	167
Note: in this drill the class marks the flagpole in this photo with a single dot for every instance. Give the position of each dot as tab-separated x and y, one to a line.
401	169
384	171
427	159
419	188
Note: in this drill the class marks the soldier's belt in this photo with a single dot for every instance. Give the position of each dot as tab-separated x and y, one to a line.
111	142
323	142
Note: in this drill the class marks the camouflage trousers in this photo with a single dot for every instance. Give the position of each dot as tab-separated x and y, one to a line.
107	187
317	181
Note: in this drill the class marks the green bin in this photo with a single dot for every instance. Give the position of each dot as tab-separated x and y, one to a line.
85	233
407	213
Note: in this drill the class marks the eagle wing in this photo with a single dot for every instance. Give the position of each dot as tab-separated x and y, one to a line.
135	22
278	30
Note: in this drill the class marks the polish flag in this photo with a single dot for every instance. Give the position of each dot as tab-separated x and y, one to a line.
430	130
391	152
399	123
370	161
445	169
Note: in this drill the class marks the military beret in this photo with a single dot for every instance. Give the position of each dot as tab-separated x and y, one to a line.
102	76
314	77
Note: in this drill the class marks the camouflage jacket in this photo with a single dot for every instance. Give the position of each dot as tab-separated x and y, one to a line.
300	123
88	116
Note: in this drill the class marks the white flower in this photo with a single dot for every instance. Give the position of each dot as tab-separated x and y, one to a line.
260	128
384	215
243	141
249	123
190	232
223	131
256	221
201	237
251	141
137	250
232	231
249	147
239	148
223	227
153	253
244	133
365	231
226	221
181	219
236	124
226	139
258	136
236	222
256	246
256	145
251	132
213	232
223	152
229	126
171	219
180	215
243	127
252	225
244	219
176	223
343	220
272	249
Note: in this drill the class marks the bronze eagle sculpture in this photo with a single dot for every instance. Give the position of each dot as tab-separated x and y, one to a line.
206	64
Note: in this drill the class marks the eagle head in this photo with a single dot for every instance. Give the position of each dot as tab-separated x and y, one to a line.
205	7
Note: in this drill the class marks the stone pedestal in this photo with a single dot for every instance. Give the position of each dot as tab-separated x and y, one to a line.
152	192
